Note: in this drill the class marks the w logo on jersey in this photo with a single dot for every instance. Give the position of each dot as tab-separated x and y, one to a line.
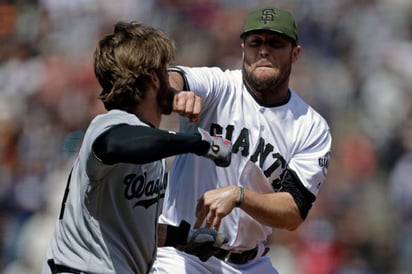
146	192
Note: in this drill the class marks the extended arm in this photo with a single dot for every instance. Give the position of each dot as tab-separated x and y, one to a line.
140	144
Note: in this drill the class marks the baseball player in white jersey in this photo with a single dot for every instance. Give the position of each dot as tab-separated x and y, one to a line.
280	152
109	214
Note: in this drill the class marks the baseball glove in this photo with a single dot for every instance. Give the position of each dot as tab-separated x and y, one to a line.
204	243
220	149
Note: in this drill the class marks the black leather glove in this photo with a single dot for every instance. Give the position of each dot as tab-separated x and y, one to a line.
219	149
202	242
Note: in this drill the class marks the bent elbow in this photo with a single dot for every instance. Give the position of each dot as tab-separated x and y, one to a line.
294	224
293	227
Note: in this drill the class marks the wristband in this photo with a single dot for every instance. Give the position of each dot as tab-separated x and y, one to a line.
241	196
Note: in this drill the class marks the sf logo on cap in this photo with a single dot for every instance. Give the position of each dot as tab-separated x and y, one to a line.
268	15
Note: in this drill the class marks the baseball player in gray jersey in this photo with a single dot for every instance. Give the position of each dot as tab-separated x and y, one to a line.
280	152
109	214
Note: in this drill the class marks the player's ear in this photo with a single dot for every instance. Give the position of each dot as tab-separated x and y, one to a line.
154	79
243	50
295	53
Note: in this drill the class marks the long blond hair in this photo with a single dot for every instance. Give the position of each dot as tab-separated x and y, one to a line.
124	60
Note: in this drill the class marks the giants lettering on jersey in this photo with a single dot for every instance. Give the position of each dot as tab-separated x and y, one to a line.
272	167
145	192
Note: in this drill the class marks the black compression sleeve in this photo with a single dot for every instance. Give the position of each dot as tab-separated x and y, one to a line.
302	196
140	144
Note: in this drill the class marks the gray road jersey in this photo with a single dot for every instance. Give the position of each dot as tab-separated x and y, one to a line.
108	222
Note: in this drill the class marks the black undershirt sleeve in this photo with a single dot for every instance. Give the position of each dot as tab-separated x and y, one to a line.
141	144
302	196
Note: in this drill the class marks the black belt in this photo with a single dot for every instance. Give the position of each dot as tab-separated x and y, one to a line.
57	268
236	257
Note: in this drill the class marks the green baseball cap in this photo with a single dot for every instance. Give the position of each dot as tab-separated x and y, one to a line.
271	19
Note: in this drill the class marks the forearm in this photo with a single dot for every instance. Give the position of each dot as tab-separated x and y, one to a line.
272	209
176	80
141	144
285	209
277	209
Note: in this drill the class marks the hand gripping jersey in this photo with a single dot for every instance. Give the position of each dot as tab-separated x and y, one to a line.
109	214
266	140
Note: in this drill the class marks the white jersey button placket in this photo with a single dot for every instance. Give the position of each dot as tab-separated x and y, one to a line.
262	127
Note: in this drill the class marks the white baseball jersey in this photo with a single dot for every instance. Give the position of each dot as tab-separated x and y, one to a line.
266	140
109	216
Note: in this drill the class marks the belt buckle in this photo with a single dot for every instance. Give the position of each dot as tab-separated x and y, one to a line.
227	257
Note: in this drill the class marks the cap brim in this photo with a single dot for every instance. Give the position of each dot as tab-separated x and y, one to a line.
270	30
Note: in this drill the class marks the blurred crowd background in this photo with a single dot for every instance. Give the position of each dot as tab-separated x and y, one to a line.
355	69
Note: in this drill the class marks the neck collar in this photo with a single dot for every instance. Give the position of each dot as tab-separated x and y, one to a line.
283	102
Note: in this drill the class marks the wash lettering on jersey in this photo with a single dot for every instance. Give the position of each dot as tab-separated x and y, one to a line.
146	193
